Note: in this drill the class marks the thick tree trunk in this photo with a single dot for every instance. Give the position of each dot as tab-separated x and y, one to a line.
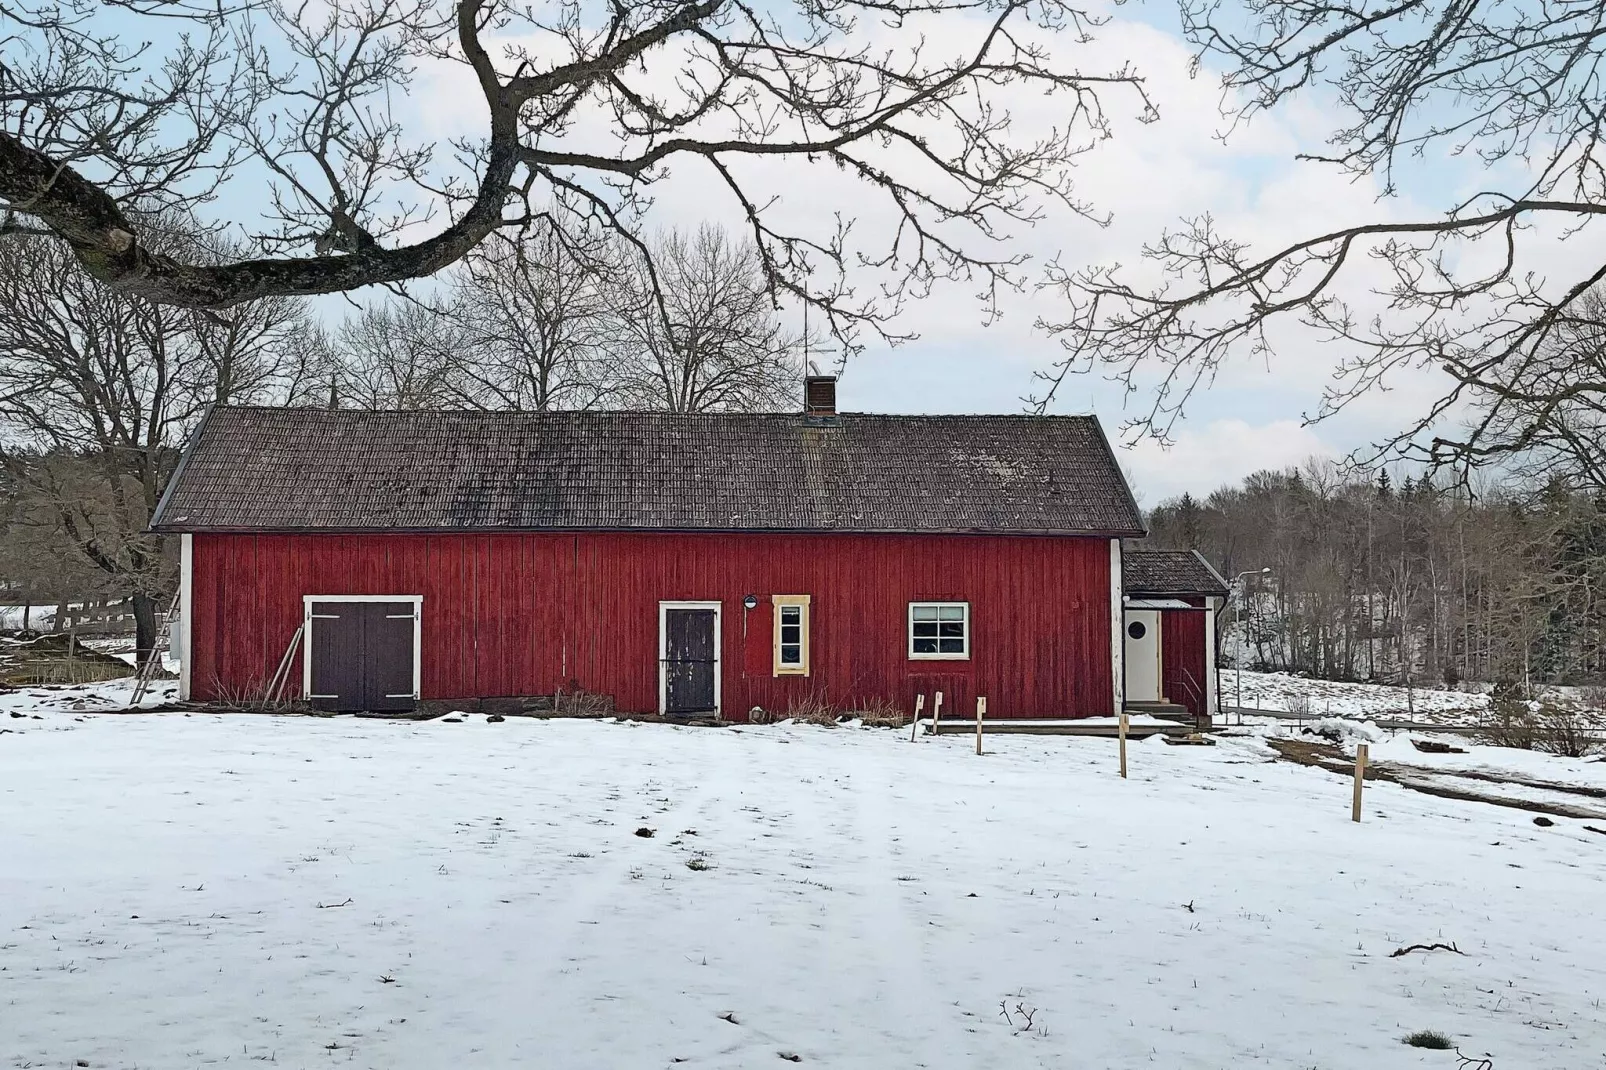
144	627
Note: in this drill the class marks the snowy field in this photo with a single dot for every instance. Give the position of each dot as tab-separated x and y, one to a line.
184	891
1322	698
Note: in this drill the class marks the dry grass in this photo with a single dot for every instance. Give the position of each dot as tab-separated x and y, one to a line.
575	703
813	708
816	708
44	660
1431	1039
881	713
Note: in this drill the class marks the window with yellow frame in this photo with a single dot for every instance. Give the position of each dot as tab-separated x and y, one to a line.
791	634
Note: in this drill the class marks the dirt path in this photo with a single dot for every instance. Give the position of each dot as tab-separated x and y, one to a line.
1425	780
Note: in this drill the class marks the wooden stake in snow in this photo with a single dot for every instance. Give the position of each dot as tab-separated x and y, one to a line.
936	712
981	711
920	704
1122	732
1360	779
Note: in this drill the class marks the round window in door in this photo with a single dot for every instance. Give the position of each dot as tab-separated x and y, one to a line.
1136	629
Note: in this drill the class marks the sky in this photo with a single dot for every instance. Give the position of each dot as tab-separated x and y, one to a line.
1147	176
1150	176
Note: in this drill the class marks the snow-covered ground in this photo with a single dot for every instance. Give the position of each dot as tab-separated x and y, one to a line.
105	696
1558	785
38	616
1297	694
190	890
1494	761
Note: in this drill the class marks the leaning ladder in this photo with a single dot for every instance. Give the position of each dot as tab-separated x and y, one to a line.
153	663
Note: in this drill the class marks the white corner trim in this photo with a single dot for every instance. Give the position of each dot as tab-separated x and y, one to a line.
306	633
186	611
1117	629
663	653
1212	677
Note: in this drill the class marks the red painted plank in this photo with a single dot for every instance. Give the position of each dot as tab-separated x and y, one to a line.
526	614
1182	657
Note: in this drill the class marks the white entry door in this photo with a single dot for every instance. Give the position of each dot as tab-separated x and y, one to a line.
1143	655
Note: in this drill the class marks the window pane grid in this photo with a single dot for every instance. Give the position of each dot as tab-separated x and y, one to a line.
791	634
939	630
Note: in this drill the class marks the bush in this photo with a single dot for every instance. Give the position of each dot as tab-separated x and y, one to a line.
1510	720
1566	730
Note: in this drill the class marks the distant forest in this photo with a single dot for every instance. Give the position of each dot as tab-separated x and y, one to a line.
1404	582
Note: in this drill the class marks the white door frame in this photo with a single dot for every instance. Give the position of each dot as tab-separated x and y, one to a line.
663	652
186	611
306	632
1117	628
1159	658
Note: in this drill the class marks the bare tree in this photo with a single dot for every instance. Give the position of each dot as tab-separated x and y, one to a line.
538	313
97	393
703	336
588	105
1466	290
1545	415
1411	582
399	354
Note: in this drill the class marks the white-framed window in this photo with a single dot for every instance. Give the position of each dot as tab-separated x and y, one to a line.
791	634
939	630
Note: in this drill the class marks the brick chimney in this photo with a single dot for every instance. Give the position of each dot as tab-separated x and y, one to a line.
819	397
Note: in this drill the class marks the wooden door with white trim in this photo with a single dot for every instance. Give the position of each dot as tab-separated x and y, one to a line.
690	661
363	656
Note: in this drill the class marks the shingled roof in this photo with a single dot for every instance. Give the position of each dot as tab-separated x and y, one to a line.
266	469
1149	571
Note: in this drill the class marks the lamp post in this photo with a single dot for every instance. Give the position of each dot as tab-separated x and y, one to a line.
1237	619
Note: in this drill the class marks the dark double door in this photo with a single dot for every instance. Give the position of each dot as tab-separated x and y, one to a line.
691	662
362	656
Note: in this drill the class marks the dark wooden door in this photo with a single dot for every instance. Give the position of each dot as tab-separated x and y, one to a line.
690	661
362	656
387	662
335	646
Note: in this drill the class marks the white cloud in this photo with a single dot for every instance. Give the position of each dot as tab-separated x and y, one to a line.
1148	176
1223	451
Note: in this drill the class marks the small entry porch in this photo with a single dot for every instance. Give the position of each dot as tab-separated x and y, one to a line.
1169	660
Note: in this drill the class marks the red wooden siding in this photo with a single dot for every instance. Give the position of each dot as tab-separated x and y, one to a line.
1182	657
529	614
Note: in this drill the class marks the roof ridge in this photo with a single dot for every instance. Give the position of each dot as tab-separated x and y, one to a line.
656	413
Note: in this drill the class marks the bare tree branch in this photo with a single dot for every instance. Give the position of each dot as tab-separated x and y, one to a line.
589	106
1463	294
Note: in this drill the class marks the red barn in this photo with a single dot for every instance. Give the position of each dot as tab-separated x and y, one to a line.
698	565
1171	599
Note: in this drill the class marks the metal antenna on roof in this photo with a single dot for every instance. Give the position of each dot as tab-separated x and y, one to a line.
809	367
